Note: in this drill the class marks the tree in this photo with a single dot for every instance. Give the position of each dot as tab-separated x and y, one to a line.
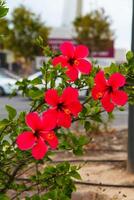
4	33
24	27
94	30
3	22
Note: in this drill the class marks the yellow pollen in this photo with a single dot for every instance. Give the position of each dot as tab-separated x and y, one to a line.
99	95
76	62
50	136
67	111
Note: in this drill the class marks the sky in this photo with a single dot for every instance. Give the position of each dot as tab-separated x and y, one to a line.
54	12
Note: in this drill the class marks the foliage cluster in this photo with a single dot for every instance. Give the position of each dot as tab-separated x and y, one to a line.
20	173
94	30
21	31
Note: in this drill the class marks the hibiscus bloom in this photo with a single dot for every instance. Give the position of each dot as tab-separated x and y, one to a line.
40	134
63	107
74	59
108	90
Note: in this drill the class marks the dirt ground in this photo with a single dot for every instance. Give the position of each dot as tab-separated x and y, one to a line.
106	164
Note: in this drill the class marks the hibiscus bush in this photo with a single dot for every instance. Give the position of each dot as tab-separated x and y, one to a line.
29	140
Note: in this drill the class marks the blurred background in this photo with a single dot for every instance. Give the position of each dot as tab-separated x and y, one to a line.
105	27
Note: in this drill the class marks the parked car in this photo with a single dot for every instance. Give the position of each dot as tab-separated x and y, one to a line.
6	84
35	75
82	93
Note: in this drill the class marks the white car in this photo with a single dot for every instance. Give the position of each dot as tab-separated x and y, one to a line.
82	93
7	84
35	75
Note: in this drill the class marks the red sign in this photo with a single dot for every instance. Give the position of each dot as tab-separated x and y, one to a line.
56	42
108	53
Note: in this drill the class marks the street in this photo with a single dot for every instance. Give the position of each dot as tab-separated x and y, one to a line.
19	103
23	104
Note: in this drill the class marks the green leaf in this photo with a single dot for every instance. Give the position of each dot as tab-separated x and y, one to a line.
63	167
35	94
97	118
36	81
129	55
87	125
11	112
121	108
59	181
35	197
75	175
39	41
78	151
83	140
3	9
3	123
3	197
3	12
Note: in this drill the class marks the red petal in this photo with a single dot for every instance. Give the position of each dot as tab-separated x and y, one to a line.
25	140
60	60
49	119
75	108
72	73
52	139
69	92
83	66
81	51
67	49
96	93
119	97
51	97
33	120
39	150
107	104
100	81
64	120
117	80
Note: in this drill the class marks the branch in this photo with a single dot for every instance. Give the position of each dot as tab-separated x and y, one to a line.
86	100
35	184
36	108
37	175
13	175
81	118
5	128
11	178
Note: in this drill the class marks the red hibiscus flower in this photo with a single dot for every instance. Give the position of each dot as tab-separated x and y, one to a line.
64	106
74	59
108	90
40	134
